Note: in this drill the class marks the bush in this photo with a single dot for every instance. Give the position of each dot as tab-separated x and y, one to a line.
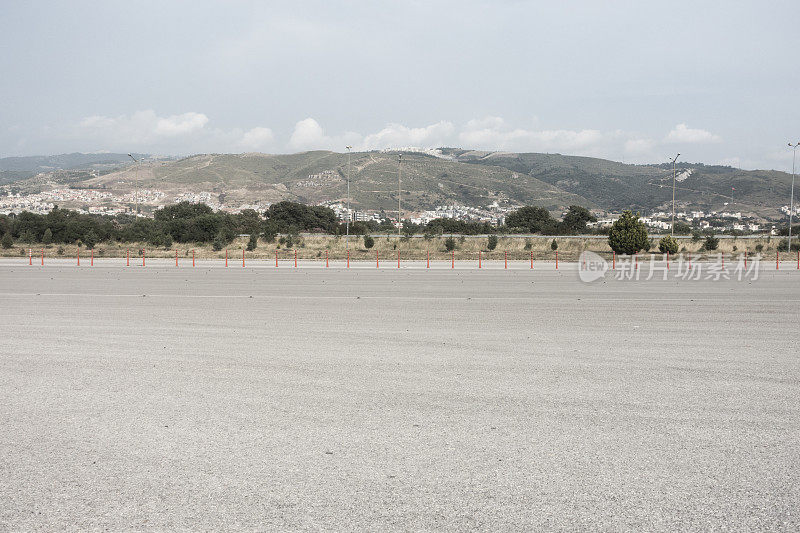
628	234
528	244
696	236
90	239
47	238
711	244
218	243
784	246
253	242
369	242
167	240
554	245
60	250
492	244
759	248
7	241
450	244
668	245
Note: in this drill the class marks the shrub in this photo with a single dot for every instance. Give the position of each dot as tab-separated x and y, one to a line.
450	244
784	246
47	238
711	243
628	234
668	245
60	250
492	244
218	243
369	242
554	245
253	242
7	241
528	244
759	247
90	239
696	236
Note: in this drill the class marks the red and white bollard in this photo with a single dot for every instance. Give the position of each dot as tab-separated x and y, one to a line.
377	261
429	259
92	260
479	259
556	259
614	261
326	258
226	257
79	257
348	258
453	259
42	256
398	258
128	257
192	258
295	257
531	259
505	255
176	257
30	256
143	261
242	258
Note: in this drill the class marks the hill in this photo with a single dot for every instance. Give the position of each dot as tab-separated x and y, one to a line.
454	176
617	186
18	168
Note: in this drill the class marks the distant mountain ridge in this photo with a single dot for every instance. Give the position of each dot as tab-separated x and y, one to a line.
455	176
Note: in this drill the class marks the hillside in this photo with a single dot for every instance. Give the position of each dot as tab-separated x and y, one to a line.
313	177
464	177
18	168
617	186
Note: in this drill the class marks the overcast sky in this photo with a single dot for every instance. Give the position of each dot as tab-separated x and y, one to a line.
637	81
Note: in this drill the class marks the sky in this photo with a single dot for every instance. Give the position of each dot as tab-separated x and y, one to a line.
633	81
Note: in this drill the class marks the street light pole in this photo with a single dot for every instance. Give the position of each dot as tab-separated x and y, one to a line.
347	221
399	213
791	198
672	226
137	183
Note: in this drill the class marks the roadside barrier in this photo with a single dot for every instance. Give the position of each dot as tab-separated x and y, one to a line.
143	262
479	259
42	256
667	260
79	257
453	259
276	258
398	258
505	257
614	261
295	257
777	260
531	259
348	258
242	258
91	263
128	256
556	259
377	261
326	258
176	257
226	257
192	258
428	255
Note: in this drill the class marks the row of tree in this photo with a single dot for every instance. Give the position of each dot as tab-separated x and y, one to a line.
198	223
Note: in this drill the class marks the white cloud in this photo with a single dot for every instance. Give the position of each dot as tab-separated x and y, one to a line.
257	138
639	146
493	133
684	134
398	135
181	124
308	135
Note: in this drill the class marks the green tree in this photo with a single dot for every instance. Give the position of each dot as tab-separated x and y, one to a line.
369	242
219	242
492	244
253	242
711	243
450	244
47	238
167	240
668	245
90	239
575	220
554	245
628	234
7	241
530	218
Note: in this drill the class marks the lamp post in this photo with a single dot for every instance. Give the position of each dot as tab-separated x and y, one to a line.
672	226
791	198
347	221
137	182
399	217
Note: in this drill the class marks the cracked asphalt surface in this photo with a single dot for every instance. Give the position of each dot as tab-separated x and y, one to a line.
164	398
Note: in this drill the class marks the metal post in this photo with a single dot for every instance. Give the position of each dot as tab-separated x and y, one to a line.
672	226
399	213
347	222
791	198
